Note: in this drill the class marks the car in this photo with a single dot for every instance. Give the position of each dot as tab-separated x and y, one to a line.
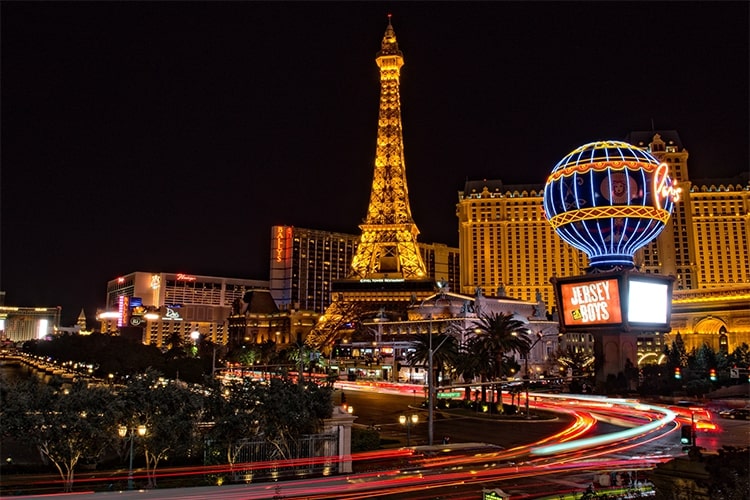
736	413
691	413
688	412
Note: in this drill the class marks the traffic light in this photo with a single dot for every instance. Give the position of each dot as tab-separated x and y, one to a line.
712	374
686	435
677	373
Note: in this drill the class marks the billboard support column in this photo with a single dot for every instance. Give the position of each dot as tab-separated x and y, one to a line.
612	353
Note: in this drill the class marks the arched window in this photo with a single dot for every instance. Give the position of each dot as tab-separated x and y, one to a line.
723	342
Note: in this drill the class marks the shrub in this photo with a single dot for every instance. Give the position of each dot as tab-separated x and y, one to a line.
365	439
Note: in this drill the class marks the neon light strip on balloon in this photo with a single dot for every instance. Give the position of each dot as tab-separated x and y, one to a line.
606	212
636	242
601	167
598	233
572	236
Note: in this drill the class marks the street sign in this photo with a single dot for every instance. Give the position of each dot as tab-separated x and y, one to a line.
734	373
448	395
496	494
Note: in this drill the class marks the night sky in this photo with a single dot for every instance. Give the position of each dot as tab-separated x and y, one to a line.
145	136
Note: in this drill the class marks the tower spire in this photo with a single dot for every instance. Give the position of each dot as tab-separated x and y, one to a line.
388	245
387	271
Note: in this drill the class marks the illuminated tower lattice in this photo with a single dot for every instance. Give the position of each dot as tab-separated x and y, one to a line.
388	245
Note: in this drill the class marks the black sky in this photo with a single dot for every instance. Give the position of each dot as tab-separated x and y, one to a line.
146	136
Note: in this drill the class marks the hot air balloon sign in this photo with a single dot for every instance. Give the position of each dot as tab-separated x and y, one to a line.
608	199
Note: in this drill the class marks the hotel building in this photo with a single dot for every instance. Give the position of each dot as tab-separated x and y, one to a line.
305	262
158	305
19	324
506	244
507	247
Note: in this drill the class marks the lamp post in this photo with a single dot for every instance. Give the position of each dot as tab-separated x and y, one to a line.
408	422
431	375
431	387
195	335
540	336
130	434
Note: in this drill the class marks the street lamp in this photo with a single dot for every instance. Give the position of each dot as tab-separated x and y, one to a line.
408	422
195	335
130	433
540	336
431	375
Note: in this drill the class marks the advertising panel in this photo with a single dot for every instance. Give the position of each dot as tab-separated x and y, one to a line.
594	302
615	301
648	301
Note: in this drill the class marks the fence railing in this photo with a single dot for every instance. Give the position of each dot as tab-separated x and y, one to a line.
311	455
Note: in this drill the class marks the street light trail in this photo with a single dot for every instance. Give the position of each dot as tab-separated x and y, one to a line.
669	416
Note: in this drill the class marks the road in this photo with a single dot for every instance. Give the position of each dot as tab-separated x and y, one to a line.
382	409
593	436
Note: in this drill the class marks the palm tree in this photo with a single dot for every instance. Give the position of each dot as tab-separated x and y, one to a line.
468	366
443	357
474	361
579	362
303	356
176	346
496	336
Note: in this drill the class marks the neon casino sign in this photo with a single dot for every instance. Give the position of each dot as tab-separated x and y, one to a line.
282	234
665	189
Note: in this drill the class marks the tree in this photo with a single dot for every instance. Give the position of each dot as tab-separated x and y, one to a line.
169	410
676	355
498	335
233	408
66	426
289	410
657	379
475	361
96	349
209	353
468	365
442	357
267	352
176	346
302	357
580	363
740	356
702	359
730	473
188	369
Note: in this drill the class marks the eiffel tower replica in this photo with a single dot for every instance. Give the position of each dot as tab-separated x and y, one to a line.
387	271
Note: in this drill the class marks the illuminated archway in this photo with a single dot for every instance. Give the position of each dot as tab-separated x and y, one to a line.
708	331
711	325
647	355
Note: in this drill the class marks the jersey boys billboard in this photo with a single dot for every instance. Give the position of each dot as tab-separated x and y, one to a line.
593	303
624	300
